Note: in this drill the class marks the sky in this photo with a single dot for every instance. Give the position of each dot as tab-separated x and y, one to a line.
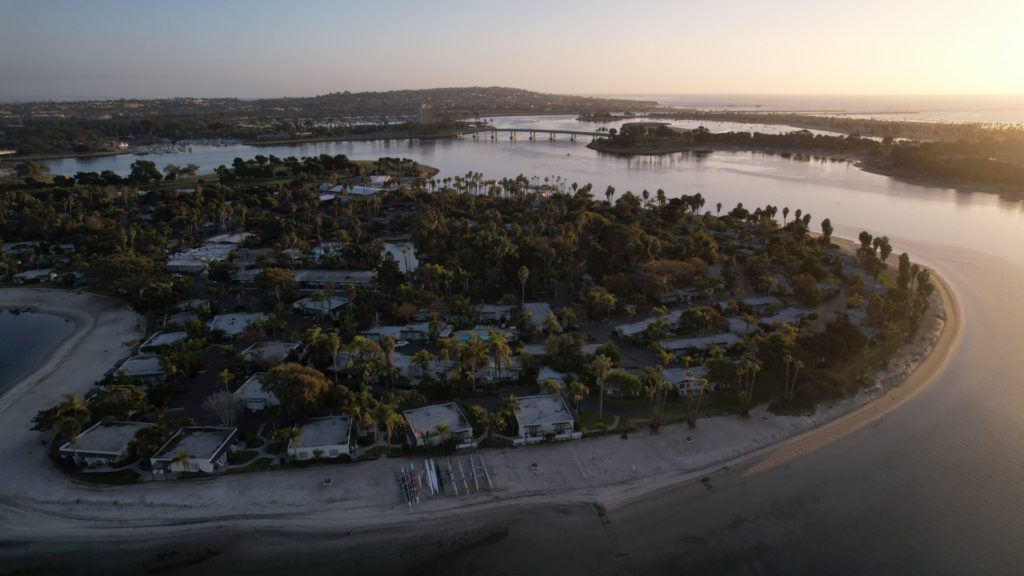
76	49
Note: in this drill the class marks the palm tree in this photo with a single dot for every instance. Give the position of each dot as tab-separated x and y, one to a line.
601	365
181	457
472	354
388	345
443	433
497	345
577	390
524	275
422	360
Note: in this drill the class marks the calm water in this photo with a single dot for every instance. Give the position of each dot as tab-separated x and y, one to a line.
935	487
26	341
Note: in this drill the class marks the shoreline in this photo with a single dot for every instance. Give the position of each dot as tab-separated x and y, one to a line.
80	512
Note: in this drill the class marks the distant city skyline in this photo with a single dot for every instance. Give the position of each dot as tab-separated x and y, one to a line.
64	49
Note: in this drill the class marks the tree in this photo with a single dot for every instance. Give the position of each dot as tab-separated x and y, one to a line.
278	283
71	416
551	387
422	360
472	355
577	391
497	346
387	345
148	440
300	389
600	366
524	275
30	169
223	405
657	388
118	400
826	231
144	172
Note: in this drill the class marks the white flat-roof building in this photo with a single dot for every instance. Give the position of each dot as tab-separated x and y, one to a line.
327	437
271	353
639	327
180	318
144	369
330	307
789	315
233	325
103	444
320	279
700	343
561	378
195	449
685	380
408	369
404	254
424	422
542	417
494	312
162	340
538	311
254	395
35	276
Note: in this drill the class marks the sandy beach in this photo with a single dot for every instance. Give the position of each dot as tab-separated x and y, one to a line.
164	525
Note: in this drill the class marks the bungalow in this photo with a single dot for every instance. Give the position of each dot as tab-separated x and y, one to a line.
700	343
364	190
35	276
561	378
327	437
494	312
312	280
544	416
424	423
420	331
406	368
686	381
762	305
379	180
254	395
680	296
233	325
490	373
484	333
788	315
271	353
195	449
636	329
144	369
162	340
180	318
404	253
377	333
103	444
538	312
328	307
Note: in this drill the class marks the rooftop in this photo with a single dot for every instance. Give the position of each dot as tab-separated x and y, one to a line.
542	410
427	418
700	342
161	339
234	324
253	389
106	437
204	443
269	351
326	431
142	366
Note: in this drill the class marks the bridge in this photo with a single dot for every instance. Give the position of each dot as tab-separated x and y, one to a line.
531	133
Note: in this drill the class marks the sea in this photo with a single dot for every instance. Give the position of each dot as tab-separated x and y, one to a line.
27	340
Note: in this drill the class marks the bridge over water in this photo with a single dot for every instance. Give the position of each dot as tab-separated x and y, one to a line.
532	133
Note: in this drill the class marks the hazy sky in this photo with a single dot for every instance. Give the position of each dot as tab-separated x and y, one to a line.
251	48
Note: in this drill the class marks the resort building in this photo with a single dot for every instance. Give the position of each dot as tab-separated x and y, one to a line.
143	369
162	340
272	353
103	444
195	449
636	329
43	276
700	343
426	425
327	437
544	417
254	395
233	325
327	307
561	378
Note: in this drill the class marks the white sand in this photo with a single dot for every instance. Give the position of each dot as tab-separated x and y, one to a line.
38	503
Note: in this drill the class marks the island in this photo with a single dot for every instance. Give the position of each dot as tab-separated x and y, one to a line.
317	326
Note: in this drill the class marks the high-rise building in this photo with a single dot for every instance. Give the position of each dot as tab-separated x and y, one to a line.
426	114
